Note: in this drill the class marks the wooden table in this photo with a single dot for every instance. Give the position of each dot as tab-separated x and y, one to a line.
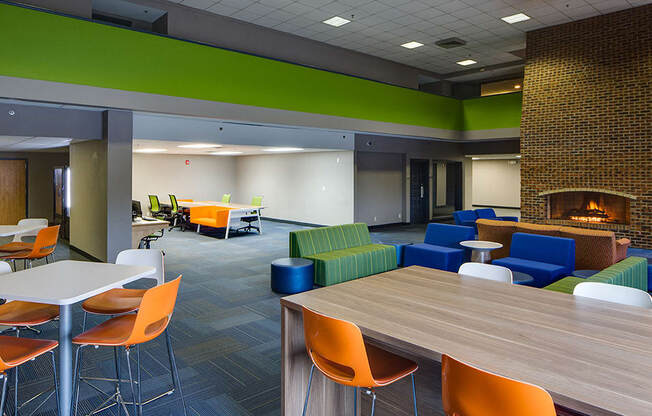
236	211
593	357
141	228
65	283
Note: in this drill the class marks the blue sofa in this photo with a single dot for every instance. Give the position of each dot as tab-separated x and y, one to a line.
545	258
441	248
469	217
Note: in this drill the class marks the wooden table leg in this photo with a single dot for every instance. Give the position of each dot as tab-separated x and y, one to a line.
327	398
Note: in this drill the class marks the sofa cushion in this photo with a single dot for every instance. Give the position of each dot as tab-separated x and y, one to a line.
487	213
594	249
433	256
466	217
543	273
323	239
447	235
498	232
565	285
338	266
544	248
541	229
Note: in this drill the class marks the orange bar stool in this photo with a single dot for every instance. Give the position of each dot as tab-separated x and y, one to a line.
23	315
44	245
129	331
338	350
469	391
17	351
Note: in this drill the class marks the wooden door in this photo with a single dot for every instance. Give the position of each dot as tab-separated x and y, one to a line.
13	191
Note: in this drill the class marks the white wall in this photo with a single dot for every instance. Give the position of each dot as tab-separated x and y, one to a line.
379	184
497	183
314	188
206	178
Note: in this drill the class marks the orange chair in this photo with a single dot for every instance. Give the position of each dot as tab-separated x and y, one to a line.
44	245
469	391
151	320
210	216
17	351
338	350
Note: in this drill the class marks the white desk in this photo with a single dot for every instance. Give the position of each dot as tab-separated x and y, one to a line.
236	211
9	230
141	228
64	283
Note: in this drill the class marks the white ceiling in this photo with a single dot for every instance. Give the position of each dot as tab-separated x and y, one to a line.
172	148
31	144
379	27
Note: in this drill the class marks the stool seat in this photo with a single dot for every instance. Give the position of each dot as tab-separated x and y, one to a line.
114	301
19	313
16	351
292	275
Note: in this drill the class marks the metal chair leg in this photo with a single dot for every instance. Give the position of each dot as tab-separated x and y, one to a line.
131	381
117	376
414	396
4	393
56	383
76	378
173	365
140	386
305	404
373	402
15	391
355	401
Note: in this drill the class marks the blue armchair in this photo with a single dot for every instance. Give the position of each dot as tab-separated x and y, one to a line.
466	218
441	248
545	258
490	214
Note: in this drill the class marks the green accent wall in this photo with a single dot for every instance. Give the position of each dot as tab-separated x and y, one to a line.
492	112
50	47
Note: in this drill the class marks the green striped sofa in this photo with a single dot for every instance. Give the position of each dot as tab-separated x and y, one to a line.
631	272
342	252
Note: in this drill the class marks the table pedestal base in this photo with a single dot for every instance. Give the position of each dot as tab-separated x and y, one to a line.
481	256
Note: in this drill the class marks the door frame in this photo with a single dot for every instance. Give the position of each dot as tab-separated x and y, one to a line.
26	180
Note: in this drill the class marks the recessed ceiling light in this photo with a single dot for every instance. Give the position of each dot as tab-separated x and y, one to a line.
412	45
283	149
466	62
515	18
150	150
226	153
337	21
199	146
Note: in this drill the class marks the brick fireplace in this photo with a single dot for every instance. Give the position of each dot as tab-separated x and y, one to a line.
586	129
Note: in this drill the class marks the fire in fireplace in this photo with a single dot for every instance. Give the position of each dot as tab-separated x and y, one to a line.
588	206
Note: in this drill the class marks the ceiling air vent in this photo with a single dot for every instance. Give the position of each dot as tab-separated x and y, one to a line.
450	43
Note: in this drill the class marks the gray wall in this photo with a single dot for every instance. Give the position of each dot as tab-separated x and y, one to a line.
379	188
40	180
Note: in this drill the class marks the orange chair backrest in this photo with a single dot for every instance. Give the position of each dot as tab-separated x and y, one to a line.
337	348
155	312
46	242
469	391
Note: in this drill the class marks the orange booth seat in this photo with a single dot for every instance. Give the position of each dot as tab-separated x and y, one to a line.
210	216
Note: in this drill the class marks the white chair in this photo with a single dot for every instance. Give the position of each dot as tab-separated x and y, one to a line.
141	257
614	293
486	271
17	244
5	267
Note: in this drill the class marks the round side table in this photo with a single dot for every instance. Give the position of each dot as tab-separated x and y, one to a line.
480	249
292	275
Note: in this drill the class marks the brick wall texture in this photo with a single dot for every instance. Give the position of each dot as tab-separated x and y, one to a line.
587	117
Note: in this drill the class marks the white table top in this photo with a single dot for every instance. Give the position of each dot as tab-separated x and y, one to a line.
140	221
480	245
68	281
9	230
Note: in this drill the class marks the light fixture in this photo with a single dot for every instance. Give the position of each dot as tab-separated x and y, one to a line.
517	86
283	149
150	150
199	146
466	62
515	18
518	156
475	158
337	21
226	153
412	45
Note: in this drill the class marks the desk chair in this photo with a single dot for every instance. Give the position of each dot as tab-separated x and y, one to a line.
43	248
226	198
258	202
469	391
614	293
17	244
338	350
155	208
177	217
129	331
487	271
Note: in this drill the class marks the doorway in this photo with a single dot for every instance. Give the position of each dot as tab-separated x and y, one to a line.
61	202
419	191
13	190
447	189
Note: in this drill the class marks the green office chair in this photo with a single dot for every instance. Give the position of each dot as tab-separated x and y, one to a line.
176	214
226	198
155	208
258	202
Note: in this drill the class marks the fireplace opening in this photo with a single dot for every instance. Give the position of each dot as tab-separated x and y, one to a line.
588	207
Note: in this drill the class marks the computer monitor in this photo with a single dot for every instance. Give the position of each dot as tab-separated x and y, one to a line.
136	211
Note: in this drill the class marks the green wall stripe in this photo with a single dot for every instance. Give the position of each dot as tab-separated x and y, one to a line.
492	112
51	47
